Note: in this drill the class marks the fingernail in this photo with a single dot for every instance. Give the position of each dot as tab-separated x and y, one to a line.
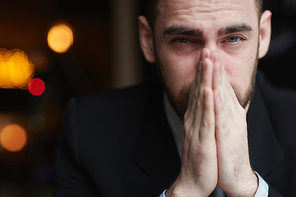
202	56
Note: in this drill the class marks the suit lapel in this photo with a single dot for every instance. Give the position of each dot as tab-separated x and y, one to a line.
155	151
265	151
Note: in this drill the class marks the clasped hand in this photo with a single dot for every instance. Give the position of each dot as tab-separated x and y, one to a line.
214	142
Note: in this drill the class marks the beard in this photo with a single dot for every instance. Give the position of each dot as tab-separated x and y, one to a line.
179	103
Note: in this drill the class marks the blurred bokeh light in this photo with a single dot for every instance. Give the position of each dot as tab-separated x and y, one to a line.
36	87
60	38
67	68
16	70
13	137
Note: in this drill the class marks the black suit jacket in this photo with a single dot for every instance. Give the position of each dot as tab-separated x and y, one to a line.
119	143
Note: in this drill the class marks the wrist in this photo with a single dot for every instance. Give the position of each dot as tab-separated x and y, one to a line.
182	192
246	187
179	189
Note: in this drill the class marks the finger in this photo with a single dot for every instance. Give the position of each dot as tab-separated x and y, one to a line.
220	122
221	82
195	88
204	54
207	76
207	128
206	82
217	74
193	94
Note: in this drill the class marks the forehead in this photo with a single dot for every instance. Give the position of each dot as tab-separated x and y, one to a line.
197	11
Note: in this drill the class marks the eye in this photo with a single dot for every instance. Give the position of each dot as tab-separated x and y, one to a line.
233	39
182	40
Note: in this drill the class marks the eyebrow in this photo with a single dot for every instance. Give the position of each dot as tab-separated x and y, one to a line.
183	31
234	29
175	30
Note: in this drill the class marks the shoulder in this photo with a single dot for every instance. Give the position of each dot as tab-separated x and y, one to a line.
272	93
119	113
130	100
111	97
105	120
278	100
281	106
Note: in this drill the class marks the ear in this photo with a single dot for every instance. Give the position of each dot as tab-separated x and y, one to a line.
264	33
146	39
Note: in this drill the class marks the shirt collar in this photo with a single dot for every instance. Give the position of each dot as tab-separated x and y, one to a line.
175	123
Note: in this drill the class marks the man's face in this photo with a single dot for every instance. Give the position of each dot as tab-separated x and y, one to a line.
184	27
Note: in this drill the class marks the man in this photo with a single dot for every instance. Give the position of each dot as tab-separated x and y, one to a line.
126	142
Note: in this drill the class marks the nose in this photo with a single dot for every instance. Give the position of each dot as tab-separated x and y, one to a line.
211	46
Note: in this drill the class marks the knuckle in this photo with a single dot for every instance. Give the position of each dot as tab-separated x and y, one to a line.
204	124
199	103
186	126
186	115
205	129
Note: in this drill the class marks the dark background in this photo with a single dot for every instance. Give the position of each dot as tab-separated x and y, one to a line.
88	67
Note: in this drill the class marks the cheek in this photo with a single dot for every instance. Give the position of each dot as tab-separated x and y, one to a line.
178	71
239	65
239	70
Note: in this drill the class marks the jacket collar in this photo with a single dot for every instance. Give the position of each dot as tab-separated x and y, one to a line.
155	151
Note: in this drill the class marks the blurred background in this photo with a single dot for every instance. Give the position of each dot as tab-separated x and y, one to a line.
52	50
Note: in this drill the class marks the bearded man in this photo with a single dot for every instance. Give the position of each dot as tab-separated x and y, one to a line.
205	129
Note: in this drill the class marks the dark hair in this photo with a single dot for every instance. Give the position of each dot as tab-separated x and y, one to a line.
151	10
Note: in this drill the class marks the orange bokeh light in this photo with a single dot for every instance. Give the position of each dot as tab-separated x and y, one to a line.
60	38
13	137
16	70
